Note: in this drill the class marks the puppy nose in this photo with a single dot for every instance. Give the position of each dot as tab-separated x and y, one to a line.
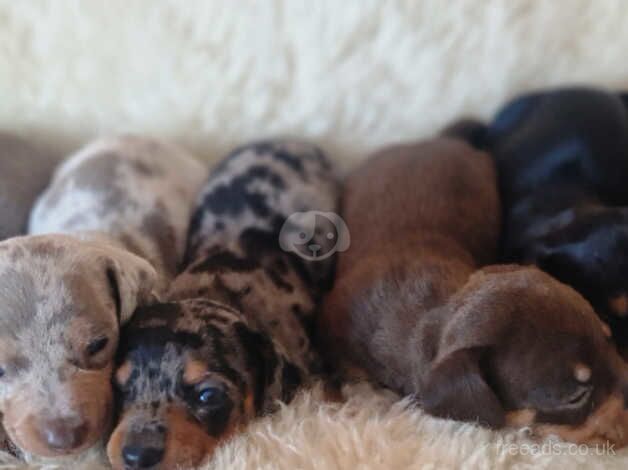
64	434
314	247
141	457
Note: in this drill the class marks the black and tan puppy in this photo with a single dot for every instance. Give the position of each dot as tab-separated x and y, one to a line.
411	306
562	158
235	337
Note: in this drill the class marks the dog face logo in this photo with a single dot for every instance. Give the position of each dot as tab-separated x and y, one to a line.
314	235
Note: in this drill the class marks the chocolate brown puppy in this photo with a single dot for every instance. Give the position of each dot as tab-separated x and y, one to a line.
414	308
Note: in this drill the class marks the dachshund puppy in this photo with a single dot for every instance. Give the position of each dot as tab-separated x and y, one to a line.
25	170
562	158
412	306
235	336
120	210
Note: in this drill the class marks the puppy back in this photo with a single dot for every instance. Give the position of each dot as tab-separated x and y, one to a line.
440	190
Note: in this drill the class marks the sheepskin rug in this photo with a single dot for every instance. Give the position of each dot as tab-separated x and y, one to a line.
351	75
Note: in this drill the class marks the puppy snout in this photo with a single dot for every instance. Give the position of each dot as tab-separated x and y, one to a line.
139	456
314	248
143	448
64	434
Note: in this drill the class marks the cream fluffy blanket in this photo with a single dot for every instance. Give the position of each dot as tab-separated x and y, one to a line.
349	74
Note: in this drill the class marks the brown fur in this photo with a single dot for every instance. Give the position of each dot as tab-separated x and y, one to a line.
82	390
68	286
413	307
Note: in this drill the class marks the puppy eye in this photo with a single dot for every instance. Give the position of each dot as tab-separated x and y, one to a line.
211	397
579	398
302	235
330	236
97	346
1	372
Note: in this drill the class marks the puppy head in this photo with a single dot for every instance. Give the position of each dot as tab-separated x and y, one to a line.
583	252
523	349
61	302
191	373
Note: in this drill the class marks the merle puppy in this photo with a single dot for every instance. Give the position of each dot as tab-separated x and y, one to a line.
562	158
234	337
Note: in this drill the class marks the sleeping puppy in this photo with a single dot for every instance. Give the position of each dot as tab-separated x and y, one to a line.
562	158
25	171
412	307
235	336
120	208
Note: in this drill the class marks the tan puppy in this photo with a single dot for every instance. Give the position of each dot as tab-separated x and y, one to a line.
107	234
502	345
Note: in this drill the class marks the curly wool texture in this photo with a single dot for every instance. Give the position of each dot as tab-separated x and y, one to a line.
350	75
373	430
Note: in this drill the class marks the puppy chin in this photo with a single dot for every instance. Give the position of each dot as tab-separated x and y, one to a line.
27	439
94	400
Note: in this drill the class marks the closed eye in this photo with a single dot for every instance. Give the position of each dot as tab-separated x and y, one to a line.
579	398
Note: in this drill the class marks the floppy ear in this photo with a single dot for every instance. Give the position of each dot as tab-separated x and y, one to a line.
456	385
456	389
132	281
261	359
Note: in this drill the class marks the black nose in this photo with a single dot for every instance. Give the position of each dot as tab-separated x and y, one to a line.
141	457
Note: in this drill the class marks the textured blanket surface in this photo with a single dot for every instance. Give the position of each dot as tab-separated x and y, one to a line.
351	75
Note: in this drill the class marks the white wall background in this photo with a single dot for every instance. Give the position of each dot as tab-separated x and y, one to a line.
349	74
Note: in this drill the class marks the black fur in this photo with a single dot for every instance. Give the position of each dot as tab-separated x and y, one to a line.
562	158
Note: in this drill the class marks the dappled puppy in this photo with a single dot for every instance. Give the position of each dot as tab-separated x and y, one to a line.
25	170
562	158
236	334
121	209
414	308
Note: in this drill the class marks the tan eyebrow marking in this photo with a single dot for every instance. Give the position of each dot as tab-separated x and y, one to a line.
194	371
521	418
619	305
582	373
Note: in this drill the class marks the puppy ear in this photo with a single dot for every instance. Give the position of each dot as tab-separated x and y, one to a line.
132	281
456	389
261	360
456	385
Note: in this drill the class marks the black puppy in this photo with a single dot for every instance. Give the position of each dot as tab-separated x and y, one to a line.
562	158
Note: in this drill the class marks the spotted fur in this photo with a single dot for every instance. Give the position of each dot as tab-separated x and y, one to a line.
239	319
106	236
